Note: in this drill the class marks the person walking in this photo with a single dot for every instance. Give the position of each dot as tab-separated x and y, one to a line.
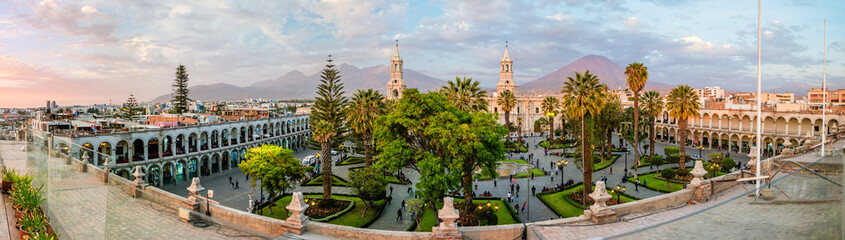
511	187
399	215
611	170
403	205
236	185
517	188
516	207
494	182
509	197
637	186
389	198
391	190
534	190
523	206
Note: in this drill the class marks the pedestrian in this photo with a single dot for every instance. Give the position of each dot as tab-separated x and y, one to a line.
230	179
391	190
517	188
534	190
399	215
516	207
603	172
523	206
494	182
644	182
509	197
413	215
236	185
403	205
511	187
232	184
389	199
517	197
637	186
409	189
476	186
553	178
551	164
611	170
532	175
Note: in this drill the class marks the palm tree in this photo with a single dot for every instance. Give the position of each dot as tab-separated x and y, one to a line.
362	112
584	95
549	106
653	105
323	133
682	104
507	101
637	76
466	94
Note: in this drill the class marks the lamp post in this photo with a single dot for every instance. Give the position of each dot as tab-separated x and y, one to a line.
562	166
699	151
619	189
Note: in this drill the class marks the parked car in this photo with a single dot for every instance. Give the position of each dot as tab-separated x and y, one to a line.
310	160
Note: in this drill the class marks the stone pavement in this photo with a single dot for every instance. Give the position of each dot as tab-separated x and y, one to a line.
86	208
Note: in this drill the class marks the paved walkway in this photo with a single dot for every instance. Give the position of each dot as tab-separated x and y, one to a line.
86	208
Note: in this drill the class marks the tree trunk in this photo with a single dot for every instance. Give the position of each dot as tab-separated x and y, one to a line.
682	125
586	156
551	131
326	157
433	206
466	180
609	139
651	136
508	125
368	149
636	131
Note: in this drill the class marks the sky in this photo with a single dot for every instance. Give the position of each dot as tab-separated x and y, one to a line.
101	51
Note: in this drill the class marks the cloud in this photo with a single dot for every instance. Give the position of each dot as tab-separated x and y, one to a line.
70	19
559	17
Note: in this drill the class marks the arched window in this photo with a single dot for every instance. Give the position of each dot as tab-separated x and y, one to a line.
395	93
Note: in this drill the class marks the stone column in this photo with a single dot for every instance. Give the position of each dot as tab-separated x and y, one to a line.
297	206
193	203
599	212
106	165
448	215
146	152
139	182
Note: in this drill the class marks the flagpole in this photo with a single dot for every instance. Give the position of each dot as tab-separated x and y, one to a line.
824	91
759	100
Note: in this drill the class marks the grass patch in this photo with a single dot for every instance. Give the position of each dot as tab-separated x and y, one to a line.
336	181
352	218
605	163
387	177
536	172
517	161
657	184
564	207
545	144
351	160
427	220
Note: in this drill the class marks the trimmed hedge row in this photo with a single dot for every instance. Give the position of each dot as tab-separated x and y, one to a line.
313	182
507	206
349	160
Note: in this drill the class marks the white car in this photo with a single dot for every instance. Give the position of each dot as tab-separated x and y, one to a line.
309	161
334	152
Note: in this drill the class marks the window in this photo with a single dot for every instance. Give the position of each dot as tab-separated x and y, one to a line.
496	110
536	110
517	110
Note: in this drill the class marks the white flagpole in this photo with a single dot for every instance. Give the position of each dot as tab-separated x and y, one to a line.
759	100
824	91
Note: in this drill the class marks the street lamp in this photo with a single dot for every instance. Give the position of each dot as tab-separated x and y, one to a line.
562	166
699	151
619	189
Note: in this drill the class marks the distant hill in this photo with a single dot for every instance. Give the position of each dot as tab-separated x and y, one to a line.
607	71
296	84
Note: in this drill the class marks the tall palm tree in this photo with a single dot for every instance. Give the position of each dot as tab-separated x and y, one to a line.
466	94
362	112
584	95
550	106
507	101
637	76
323	133
653	105
682	104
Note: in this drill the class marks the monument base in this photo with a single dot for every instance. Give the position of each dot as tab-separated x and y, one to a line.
297	229
602	217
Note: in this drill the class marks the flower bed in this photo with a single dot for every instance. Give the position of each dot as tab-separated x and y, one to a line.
577	197
322	210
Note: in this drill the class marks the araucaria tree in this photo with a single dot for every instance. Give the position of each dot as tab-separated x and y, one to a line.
507	101
328	108
637	76
584	95
550	106
275	166
362	112
130	108
682	103
446	145
465	94
653	105
180	91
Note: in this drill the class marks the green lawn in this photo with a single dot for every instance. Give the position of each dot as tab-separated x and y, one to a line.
657	184
352	160
336	181
545	144
564	208
521	149
428	220
352	218
517	161
606	163
537	173
389	178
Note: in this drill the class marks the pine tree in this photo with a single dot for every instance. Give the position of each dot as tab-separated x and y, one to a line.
328	110
130	108
180	91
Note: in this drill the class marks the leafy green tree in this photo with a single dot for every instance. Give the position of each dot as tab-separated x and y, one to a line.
507	101
180	91
323	133
368	184
637	76
653	106
540	123
549	107
418	206
584	95
657	161
727	164
668	174
130	108
715	157
366	106
276	166
446	145
607	120
465	94
682	104
328	108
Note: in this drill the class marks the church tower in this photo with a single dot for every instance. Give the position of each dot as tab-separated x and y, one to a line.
397	82
506	74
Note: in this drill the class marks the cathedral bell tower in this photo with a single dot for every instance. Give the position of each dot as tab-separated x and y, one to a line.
397	82
506	74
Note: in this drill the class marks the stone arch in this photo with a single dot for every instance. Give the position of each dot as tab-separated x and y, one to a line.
250	133
167	146
104	152
224	137
153	174
180	144
224	161
747	124
780	125
205	165
215	163
192	166
792	126
193	142
203	141
153	145
769	124
832	126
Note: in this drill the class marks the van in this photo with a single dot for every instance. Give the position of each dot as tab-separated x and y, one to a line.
309	161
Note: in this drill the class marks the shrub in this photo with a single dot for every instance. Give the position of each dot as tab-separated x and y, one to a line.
683	172
727	164
670	150
668	173
656	160
673	158
715	157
